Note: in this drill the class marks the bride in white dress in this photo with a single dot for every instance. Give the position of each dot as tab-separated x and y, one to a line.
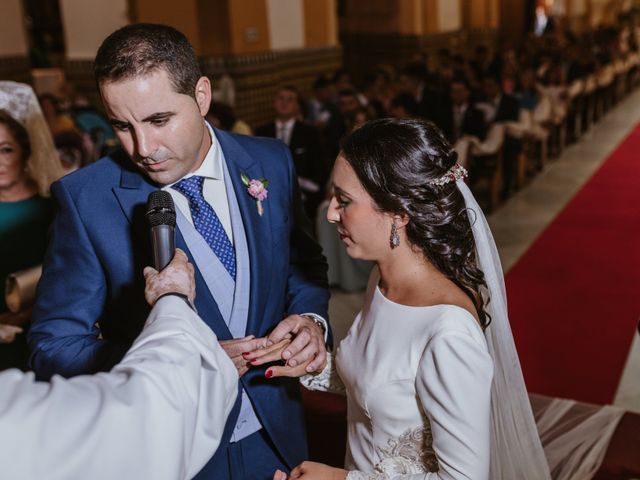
429	367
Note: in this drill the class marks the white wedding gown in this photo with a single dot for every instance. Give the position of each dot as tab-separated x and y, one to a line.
418	382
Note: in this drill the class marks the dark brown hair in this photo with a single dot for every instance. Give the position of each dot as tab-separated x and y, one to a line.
396	162
18	132
140	49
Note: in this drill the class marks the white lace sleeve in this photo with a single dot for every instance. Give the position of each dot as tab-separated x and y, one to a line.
326	381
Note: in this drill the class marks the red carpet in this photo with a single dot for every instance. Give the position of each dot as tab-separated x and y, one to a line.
574	297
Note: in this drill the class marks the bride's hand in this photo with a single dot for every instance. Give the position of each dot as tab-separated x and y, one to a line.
315	471
266	353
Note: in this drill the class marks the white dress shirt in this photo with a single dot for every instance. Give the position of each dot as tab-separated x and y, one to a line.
284	130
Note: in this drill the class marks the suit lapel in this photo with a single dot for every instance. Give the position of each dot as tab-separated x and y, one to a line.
257	228
132	196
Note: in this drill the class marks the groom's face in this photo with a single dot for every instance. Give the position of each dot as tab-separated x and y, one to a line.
163	131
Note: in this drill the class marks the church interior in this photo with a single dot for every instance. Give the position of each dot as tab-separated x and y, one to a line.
540	100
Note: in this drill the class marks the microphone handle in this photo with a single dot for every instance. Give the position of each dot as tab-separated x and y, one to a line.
163	245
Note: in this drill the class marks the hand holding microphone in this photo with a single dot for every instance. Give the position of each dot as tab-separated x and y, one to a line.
172	273
176	278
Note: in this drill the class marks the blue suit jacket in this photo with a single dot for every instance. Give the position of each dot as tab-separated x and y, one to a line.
92	280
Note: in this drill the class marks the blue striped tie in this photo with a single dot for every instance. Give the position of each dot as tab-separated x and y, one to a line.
207	222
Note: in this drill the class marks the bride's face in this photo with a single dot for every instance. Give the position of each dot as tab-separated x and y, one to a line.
362	227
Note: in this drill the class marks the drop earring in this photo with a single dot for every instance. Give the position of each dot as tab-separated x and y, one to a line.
394	240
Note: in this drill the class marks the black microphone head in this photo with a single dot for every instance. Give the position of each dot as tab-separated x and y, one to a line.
160	209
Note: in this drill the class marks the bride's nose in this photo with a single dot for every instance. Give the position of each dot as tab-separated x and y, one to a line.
333	216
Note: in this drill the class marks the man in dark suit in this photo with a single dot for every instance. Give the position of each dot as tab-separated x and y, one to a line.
427	90
305	145
458	117
501	107
260	277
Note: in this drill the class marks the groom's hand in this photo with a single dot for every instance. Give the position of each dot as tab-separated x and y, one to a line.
307	351
238	347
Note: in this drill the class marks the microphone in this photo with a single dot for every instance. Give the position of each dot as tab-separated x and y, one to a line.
161	215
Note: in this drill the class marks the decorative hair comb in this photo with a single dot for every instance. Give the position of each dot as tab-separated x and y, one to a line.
456	172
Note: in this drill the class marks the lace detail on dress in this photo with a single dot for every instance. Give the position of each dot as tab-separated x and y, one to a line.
326	381
411	453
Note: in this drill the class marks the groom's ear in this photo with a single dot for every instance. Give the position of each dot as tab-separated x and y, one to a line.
203	95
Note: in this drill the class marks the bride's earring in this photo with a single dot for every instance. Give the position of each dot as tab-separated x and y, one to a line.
394	240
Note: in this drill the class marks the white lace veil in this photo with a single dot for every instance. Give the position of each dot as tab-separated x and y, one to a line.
20	101
566	440
516	450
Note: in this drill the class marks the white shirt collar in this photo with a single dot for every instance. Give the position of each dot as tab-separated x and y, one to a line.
288	124
211	166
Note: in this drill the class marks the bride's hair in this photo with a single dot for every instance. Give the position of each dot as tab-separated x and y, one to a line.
397	163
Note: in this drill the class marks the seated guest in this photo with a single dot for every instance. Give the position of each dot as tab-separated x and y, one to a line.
222	116
74	148
92	123
526	91
339	125
497	105
458	116
403	105
321	107
502	107
417	81
372	89
304	143
26	169
160	413
361	116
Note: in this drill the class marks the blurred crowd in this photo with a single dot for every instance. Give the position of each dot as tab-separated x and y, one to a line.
507	112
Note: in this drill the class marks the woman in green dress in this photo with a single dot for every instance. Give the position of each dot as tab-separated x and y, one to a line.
24	218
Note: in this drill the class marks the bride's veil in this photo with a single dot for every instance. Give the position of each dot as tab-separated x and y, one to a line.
516	450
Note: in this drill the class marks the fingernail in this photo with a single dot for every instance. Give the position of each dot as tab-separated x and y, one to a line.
268	374
244	354
269	343
254	361
286	354
309	368
292	363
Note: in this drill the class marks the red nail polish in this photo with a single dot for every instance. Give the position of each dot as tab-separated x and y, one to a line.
268	374
246	353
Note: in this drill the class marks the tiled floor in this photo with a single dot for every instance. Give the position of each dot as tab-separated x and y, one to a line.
517	223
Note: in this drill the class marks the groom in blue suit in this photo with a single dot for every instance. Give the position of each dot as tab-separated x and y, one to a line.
260	277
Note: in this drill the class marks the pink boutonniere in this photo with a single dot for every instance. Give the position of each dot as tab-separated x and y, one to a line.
257	188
